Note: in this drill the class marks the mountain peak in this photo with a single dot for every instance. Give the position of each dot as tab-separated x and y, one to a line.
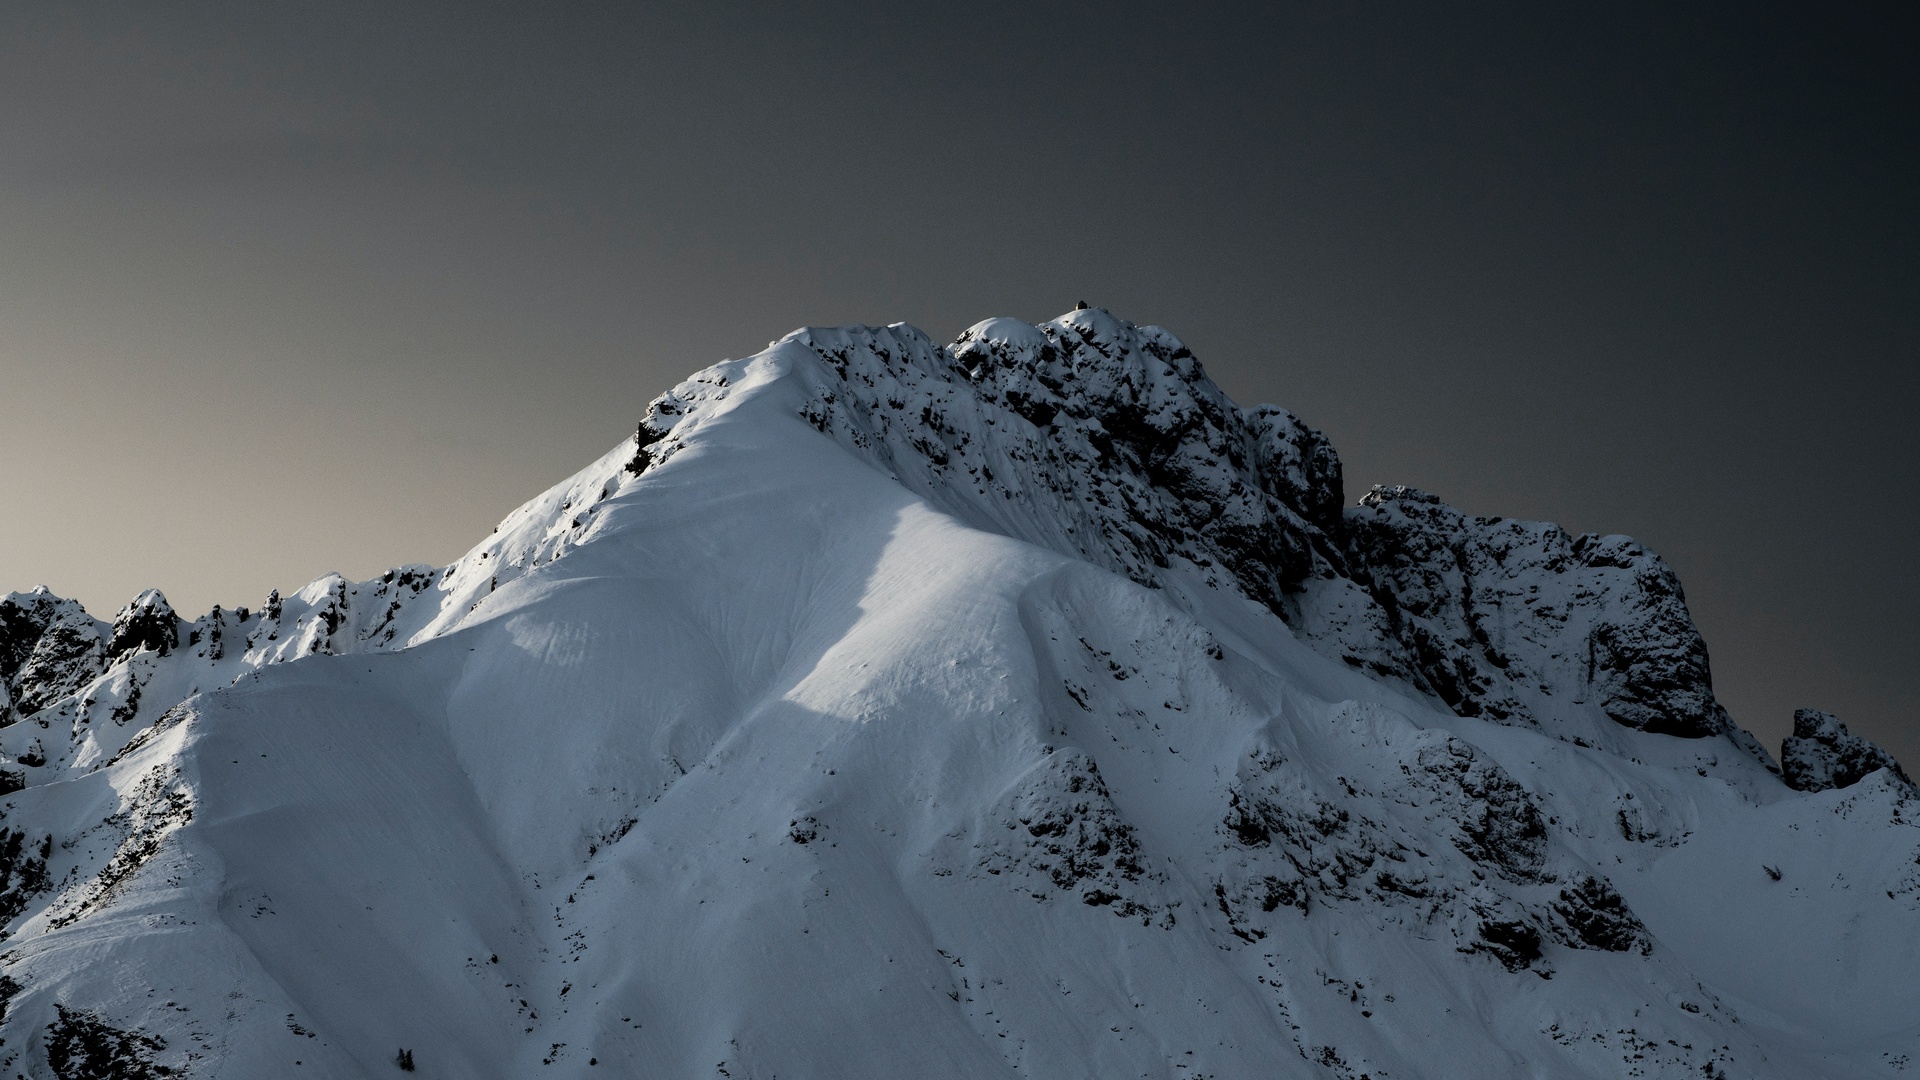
1022	706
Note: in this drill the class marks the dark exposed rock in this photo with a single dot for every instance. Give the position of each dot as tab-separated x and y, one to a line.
159	804
1822	754
147	623
1309	843
23	871
21	624
643	437
1063	827
1597	918
804	830
1514	943
68	651
81	1045
1491	610
1294	841
1107	441
1496	823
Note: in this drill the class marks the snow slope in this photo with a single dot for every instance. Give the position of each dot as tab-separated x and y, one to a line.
1021	708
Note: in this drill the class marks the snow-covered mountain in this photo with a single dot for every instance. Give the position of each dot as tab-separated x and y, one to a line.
1016	708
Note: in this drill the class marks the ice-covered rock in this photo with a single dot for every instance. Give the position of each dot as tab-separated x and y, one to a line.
1088	435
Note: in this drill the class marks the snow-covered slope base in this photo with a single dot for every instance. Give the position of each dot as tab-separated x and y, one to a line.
1017	709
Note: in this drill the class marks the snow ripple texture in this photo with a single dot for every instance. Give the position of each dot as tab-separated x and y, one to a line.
1020	707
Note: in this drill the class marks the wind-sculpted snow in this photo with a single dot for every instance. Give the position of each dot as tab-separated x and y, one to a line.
1018	708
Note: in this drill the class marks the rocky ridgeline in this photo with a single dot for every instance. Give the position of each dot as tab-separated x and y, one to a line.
75	690
1087	435
1493	615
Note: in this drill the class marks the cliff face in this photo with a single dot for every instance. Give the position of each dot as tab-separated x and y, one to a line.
1496	614
1019	707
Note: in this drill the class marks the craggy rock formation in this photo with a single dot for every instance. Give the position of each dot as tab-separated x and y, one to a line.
49	647
1822	754
1062	832
147	623
1428	834
1087	435
82	683
1493	612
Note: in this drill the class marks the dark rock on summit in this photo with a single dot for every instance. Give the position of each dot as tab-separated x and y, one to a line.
147	623
49	647
1088	435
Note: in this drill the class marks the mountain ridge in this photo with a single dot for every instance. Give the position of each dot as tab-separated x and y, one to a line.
1100	654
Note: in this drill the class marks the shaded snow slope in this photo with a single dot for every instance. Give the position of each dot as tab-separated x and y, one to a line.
970	739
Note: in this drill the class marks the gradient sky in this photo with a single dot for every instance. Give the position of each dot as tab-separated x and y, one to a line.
335	286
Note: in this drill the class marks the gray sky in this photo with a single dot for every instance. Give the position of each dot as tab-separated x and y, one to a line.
336	286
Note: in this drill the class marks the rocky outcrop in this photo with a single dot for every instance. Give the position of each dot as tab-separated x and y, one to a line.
1063	834
1377	838
1088	435
1492	611
49	648
1822	754
80	1044
90	687
147	623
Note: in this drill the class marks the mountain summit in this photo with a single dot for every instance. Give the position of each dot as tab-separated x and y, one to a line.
1018	707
